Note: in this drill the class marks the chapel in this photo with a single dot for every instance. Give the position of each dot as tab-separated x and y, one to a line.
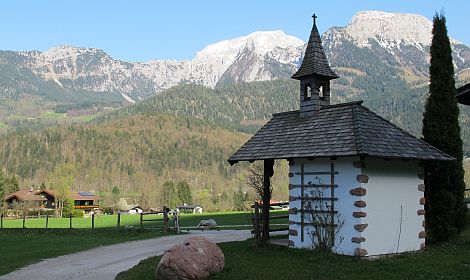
355	180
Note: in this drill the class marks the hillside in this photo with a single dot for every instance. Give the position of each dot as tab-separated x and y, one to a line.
247	106
138	154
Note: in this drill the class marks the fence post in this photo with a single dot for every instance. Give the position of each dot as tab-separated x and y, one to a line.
257	224
142	220
1	221
24	220
70	218
93	220
119	220
165	220
47	220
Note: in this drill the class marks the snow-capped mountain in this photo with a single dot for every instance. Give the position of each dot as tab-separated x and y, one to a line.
374	44
402	40
92	69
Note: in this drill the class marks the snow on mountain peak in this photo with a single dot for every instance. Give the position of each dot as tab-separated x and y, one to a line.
261	42
390	29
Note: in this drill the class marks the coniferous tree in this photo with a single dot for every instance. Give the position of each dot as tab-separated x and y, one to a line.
445	210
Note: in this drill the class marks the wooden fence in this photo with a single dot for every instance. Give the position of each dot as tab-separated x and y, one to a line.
258	219
160	216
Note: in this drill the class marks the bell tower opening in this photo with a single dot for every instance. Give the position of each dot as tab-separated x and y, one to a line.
308	92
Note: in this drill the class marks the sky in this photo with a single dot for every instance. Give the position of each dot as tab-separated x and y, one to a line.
163	29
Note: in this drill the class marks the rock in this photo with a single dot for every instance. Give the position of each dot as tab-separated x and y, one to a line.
196	258
207	224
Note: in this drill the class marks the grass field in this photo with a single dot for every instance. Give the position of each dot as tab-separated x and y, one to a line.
20	247
223	219
243	262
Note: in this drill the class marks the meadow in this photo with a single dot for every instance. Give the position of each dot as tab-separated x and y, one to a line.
243	261
21	247
224	220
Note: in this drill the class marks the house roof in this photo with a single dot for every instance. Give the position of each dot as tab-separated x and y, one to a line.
314	61
188	206
79	195
27	195
36	195
463	94
336	130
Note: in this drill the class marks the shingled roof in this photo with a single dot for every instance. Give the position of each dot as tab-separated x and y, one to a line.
346	129
314	61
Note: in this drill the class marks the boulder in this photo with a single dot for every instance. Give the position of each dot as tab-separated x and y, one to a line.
207	224
196	258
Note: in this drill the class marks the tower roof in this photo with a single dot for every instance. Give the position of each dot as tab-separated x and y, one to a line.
314	61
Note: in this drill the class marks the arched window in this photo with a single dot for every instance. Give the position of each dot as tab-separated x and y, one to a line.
321	94
308	92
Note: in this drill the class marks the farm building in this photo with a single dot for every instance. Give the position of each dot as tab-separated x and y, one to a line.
190	208
355	183
45	199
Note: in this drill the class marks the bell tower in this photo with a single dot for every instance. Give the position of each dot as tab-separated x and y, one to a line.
314	75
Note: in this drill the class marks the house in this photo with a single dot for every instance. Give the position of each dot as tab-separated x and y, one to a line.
45	199
190	208
36	199
463	94
132	210
355	181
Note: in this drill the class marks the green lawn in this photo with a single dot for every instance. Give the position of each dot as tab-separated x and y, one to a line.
22	247
449	261
224	219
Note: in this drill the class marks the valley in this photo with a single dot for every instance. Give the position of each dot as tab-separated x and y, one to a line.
138	125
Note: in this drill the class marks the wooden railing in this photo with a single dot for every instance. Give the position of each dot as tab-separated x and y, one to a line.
162	215
86	206
258	219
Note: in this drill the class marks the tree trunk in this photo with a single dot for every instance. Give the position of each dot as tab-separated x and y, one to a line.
268	173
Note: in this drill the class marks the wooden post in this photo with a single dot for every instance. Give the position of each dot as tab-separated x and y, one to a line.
268	173
47	220
165	220
70	218
1	221
256	224
93	220
332	195
302	202
24	220
119	220
142	220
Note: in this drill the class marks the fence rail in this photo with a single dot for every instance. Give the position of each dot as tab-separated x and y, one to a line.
145	217
258	219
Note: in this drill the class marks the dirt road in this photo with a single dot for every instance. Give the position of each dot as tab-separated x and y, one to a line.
106	262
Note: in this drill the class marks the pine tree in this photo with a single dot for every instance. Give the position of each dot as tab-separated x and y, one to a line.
445	210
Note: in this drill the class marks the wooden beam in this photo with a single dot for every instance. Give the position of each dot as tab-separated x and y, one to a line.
268	173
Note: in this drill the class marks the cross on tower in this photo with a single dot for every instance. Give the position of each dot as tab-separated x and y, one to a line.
314	19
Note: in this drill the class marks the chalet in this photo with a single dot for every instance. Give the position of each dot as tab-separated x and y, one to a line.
45	199
354	177
35	198
463	94
190	208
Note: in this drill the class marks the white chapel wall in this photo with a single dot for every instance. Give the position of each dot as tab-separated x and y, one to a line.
393	200
346	180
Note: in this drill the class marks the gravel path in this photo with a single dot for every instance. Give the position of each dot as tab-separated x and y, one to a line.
106	262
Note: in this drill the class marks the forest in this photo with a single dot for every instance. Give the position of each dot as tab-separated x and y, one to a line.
185	134
145	157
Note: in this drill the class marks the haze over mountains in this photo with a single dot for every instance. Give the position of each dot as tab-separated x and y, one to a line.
398	40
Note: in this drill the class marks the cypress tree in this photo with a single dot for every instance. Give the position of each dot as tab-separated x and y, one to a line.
445	210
